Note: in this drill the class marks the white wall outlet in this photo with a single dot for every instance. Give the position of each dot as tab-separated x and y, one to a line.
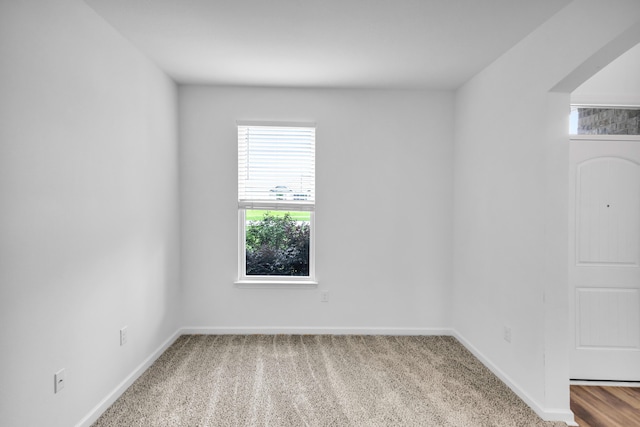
58	380
324	296
507	334
123	335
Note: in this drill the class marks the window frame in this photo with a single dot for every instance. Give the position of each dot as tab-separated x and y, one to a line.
263	281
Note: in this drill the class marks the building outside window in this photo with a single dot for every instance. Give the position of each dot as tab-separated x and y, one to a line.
604	120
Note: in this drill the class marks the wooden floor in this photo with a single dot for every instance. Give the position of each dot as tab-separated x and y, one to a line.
606	406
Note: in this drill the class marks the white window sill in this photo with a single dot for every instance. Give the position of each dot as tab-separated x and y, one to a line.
276	284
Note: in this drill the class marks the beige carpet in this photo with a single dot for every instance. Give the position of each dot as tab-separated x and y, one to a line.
318	380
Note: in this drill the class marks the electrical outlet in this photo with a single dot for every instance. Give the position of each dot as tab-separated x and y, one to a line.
507	334
324	296
123	335
58	380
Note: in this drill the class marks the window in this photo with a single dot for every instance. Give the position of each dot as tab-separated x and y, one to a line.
601	120
276	203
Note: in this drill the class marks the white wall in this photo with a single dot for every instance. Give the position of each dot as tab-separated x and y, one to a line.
383	167
88	210
510	204
616	84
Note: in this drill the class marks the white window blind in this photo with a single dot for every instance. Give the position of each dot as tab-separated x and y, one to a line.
276	167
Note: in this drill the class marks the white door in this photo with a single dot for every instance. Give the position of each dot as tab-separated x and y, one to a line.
604	270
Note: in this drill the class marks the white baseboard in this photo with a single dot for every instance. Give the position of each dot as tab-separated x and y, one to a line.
95	413
547	414
288	330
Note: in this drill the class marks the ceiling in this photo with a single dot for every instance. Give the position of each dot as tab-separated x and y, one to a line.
325	43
